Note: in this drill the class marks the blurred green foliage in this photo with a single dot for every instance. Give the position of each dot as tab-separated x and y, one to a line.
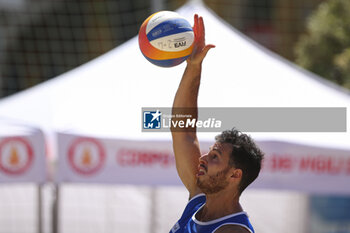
325	49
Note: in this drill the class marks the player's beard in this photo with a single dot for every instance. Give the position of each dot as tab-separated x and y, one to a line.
213	183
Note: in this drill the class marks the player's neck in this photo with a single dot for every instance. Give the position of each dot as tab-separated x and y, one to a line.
219	205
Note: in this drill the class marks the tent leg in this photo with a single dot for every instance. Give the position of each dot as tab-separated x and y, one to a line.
55	208
40	210
157	5
307	227
153	210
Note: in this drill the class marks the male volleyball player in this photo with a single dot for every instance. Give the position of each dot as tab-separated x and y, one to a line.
214	180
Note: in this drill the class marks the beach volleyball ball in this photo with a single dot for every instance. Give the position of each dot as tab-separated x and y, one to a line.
166	39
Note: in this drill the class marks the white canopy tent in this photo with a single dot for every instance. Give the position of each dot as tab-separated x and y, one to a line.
103	98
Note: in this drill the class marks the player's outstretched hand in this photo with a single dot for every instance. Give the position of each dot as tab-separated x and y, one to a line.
200	49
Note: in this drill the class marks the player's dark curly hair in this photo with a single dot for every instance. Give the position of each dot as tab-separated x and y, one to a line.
245	155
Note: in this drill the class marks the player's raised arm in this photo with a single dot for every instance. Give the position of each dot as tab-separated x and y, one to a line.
185	142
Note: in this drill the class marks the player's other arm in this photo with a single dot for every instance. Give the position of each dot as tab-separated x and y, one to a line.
185	142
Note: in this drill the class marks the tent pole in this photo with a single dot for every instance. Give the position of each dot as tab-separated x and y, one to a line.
55	208
307	227
153	210
157	5
39	210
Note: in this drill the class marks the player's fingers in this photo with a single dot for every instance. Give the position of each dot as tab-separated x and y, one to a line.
201	26
206	50
195	27
200	30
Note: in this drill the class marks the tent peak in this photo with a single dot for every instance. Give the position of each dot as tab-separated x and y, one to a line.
195	1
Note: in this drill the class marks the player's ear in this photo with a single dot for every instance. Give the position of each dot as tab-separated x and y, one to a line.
236	173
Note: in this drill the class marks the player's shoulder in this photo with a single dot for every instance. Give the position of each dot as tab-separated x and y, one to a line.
231	229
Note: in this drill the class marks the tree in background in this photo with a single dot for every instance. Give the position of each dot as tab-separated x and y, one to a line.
325	49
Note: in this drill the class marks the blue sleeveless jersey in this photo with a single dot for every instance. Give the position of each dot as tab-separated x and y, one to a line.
189	224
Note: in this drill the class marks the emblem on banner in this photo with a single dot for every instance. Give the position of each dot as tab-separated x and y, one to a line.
16	155
152	119
86	156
